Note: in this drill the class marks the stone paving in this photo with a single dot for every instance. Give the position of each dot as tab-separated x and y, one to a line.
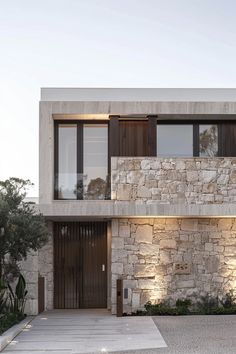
85	331
63	332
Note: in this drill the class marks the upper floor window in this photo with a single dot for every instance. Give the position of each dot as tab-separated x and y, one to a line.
208	140
186	140
174	140
67	152
81	161
95	161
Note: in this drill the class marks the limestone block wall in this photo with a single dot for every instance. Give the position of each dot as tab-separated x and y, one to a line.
37	264
45	260
174	180
29	269
170	258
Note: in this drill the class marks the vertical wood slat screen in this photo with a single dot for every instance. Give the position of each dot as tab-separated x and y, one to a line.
227	139
41	292
80	250
132	137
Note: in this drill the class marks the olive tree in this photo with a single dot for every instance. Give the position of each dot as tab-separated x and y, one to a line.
22	227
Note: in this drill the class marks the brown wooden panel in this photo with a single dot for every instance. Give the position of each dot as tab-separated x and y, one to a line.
119	297
227	139
133	138
114	136
80	250
94	287
41	292
152	135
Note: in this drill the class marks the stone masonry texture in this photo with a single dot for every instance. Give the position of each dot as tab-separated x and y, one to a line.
171	258
39	263
174	180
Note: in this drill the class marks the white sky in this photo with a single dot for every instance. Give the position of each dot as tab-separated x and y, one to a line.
114	43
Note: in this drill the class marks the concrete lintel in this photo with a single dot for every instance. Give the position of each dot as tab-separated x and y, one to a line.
109	209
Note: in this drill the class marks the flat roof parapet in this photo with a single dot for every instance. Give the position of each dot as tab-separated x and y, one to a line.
139	94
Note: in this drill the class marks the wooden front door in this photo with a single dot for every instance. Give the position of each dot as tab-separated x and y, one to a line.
80	265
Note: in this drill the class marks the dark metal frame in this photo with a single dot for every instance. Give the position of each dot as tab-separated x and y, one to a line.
80	145
113	136
195	125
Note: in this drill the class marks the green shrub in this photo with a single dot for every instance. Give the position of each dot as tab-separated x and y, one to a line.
183	306
12	303
3	298
164	308
18	298
229	300
207	305
9	319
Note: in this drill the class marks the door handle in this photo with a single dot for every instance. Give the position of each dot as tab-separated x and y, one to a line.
103	267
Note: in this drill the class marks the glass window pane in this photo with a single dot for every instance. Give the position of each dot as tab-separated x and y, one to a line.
174	140
67	174
95	161
208	140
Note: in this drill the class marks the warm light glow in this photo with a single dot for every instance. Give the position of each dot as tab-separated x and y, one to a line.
81	116
13	342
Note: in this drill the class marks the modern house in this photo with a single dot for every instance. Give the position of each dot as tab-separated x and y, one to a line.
138	184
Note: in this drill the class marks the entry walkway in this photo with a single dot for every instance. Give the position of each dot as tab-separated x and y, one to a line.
85	331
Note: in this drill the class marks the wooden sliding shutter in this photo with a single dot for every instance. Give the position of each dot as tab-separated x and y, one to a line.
132	137
227	139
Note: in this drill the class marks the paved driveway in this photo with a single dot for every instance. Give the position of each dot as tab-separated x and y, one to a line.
196	335
84	331
65	332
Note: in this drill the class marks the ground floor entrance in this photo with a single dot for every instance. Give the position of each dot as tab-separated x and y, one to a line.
158	259
80	265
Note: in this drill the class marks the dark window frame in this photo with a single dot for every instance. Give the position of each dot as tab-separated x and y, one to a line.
195	125
113	135
79	152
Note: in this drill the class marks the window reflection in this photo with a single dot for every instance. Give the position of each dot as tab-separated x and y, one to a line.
67	145
174	140
208	140
95	158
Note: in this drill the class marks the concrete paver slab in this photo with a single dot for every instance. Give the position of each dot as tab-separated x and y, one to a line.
86	331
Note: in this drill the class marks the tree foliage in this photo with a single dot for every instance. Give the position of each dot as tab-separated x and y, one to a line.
22	228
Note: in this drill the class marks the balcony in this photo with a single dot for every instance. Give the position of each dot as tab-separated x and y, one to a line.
176	186
160	187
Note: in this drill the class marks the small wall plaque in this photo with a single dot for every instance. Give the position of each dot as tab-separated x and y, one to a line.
182	268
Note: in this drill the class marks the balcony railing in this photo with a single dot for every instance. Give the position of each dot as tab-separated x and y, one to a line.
74	186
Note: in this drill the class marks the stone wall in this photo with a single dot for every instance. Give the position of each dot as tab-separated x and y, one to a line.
174	180
29	269
172	258
46	270
37	264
